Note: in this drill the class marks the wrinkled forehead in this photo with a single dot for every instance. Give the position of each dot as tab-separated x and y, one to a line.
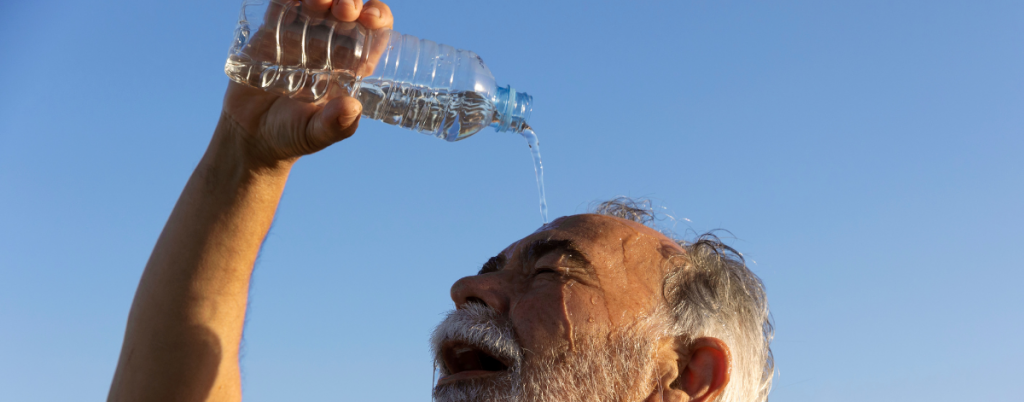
606	237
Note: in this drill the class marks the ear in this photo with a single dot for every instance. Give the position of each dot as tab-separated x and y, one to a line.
694	372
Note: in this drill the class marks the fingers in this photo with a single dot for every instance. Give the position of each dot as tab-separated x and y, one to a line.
377	48
337	121
317	5
347	10
342	10
376	15
373	15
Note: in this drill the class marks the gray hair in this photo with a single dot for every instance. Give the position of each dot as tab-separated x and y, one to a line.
710	292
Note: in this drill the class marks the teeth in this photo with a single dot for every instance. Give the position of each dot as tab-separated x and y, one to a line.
463	350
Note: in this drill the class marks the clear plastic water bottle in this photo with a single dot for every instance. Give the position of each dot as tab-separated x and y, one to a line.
285	48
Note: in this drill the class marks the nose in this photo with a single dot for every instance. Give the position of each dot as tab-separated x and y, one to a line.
488	289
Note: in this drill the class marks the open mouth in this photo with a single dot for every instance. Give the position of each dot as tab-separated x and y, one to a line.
467	361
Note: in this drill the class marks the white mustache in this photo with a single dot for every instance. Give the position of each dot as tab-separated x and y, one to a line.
480	326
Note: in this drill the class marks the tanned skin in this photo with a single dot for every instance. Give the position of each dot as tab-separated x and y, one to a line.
182	337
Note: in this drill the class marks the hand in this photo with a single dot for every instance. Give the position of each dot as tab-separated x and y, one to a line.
272	129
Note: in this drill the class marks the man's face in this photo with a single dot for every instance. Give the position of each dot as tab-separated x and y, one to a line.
556	299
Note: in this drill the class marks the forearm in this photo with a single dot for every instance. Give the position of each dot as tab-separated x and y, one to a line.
186	321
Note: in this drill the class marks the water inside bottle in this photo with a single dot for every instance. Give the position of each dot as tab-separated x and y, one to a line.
449	115
538	169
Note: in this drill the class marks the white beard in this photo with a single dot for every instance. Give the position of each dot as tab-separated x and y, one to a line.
617	369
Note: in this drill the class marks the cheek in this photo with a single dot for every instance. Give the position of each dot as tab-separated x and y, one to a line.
554	314
540	318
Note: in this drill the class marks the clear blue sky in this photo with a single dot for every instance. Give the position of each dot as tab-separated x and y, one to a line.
866	155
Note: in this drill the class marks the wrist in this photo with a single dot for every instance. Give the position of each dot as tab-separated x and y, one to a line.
232	145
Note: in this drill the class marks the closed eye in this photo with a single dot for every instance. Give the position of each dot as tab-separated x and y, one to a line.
540	271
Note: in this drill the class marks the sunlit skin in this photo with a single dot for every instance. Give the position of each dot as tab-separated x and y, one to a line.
182	337
185	324
587	275
614	274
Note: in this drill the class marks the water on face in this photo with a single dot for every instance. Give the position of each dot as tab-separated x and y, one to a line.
538	170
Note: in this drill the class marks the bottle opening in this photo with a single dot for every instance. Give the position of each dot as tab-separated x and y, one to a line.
513	110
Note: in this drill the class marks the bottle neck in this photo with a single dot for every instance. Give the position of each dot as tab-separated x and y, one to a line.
511	110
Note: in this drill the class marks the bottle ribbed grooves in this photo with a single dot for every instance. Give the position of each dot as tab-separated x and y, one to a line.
416	83
417	73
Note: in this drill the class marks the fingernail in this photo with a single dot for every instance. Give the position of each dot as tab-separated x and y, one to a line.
372	11
348	3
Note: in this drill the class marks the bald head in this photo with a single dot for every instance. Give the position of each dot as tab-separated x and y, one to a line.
568	294
617	307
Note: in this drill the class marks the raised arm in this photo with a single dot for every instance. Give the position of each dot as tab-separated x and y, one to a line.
181	341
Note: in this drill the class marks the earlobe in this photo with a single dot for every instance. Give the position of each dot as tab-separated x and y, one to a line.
696	371
705	373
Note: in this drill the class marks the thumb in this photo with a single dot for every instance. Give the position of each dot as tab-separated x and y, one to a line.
337	121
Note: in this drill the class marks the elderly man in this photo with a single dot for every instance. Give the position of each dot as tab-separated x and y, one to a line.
593	307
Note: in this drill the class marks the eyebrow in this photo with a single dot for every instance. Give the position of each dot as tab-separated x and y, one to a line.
537	249
494	264
544	246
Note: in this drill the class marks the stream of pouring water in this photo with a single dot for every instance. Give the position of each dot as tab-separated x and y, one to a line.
538	169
